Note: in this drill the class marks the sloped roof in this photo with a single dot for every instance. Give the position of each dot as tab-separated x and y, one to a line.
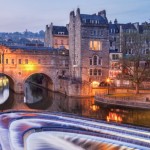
93	17
57	29
126	26
113	27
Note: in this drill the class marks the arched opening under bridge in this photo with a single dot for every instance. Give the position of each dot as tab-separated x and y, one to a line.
36	89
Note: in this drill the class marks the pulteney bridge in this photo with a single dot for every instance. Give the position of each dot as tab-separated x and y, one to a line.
19	63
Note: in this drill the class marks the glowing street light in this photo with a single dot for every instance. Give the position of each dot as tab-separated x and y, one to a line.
95	84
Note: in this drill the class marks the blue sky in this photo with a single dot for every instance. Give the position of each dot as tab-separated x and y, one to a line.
19	15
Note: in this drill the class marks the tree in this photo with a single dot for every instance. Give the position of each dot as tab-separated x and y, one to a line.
136	57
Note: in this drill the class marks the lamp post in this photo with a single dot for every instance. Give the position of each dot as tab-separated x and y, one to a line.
108	82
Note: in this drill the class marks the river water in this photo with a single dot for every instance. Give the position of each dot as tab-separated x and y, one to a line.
36	98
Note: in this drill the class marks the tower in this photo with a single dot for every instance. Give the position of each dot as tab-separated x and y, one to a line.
88	46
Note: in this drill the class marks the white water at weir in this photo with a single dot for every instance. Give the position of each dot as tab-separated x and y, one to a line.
39	131
67	141
38	123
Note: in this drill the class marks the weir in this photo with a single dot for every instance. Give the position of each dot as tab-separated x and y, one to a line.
42	126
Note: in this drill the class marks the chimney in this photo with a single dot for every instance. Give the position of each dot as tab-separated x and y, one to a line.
102	13
115	21
72	13
78	11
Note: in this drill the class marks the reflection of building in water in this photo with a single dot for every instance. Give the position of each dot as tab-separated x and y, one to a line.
117	115
130	115
37	97
89	108
4	89
114	117
4	82
30	95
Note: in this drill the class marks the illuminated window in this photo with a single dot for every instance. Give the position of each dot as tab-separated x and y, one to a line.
26	61
95	45
19	61
6	61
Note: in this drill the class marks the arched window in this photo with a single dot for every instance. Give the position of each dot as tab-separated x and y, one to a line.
95	60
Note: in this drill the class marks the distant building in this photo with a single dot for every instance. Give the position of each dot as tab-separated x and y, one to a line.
56	37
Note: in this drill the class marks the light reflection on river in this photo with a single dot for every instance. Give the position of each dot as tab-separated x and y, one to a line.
42	99
36	98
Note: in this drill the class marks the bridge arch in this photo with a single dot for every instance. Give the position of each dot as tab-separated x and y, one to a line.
47	82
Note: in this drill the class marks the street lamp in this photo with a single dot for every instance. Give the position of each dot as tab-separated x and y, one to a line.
108	82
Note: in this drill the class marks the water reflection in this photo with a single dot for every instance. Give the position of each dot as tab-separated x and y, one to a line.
4	89
42	99
114	117
6	95
36	97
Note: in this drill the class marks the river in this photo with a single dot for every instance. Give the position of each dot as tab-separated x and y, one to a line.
40	99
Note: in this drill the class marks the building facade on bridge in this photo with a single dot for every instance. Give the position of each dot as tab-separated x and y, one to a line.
56	36
19	63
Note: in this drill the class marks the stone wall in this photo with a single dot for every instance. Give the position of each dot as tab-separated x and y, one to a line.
53	64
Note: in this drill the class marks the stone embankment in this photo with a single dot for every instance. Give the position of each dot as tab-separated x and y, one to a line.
124	101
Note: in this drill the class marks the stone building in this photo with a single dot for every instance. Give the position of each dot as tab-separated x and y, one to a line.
116	31
56	36
114	64
125	41
89	46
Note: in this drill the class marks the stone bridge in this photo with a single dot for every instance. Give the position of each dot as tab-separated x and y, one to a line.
19	63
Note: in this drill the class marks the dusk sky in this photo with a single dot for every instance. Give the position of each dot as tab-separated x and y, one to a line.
33	15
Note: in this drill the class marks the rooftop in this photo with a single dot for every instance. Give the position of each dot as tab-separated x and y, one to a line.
62	30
